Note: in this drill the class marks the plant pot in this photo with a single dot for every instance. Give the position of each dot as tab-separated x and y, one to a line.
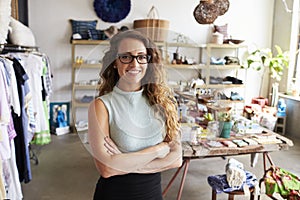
225	129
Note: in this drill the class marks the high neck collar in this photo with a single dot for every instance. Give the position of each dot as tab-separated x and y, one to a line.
118	90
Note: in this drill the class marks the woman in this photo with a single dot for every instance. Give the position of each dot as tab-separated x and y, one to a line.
133	124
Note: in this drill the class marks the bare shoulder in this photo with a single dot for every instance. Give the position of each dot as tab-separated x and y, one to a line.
97	107
96	104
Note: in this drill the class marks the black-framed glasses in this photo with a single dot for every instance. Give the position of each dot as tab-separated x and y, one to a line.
128	58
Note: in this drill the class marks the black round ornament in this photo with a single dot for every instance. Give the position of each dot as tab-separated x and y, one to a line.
112	10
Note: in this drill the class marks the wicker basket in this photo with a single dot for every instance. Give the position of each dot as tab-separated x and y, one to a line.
153	27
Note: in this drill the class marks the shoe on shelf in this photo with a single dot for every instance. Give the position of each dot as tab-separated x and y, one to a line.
86	99
223	96
81	125
235	96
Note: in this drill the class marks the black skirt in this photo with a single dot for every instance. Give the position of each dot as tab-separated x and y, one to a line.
129	187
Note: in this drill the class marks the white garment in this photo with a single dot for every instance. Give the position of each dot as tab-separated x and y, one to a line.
235	173
14	191
33	66
13	88
4	117
2	185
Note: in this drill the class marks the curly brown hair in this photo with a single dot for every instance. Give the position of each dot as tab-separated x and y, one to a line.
154	81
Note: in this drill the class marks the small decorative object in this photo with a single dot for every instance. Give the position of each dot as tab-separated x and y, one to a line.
59	117
180	38
5	10
222	6
112	11
212	130
223	29
111	31
294	91
208	10
225	122
233	41
217	38
20	34
225	129
281	108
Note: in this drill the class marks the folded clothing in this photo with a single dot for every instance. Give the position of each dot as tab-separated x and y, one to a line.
233	80
219	183
86	99
235	173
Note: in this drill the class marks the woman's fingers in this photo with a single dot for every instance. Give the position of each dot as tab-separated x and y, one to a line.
112	149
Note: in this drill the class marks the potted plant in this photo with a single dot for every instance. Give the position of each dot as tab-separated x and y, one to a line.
225	122
264	59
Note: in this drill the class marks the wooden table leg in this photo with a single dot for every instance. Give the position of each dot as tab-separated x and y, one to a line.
213	194
187	163
173	178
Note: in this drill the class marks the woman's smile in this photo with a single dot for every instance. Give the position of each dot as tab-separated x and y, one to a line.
133	71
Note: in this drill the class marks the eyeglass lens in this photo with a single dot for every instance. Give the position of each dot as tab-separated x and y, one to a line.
127	58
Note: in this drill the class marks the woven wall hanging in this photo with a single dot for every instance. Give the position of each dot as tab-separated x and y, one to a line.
112	11
208	10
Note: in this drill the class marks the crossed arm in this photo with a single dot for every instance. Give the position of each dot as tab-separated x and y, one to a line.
110	161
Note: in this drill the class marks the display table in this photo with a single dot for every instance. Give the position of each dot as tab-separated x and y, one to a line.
268	141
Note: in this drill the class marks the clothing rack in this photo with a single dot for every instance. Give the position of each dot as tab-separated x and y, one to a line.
33	156
6	48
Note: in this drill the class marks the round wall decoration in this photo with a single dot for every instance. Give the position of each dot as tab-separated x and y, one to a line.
208	10
222	5
112	10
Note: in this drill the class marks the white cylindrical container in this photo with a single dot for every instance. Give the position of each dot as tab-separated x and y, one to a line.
217	38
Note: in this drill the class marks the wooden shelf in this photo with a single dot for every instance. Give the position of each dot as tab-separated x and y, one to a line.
90	42
102	42
77	104
224	67
184	66
226	46
220	86
85	87
187	45
85	65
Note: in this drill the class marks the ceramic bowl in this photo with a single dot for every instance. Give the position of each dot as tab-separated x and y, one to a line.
233	41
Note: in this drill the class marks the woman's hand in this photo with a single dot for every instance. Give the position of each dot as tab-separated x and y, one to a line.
111	147
162	149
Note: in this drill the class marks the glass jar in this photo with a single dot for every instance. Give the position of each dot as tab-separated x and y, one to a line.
212	130
194	135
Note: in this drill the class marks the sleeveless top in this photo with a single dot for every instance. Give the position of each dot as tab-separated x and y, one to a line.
133	123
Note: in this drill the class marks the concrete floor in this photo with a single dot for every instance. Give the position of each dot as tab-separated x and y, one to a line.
66	172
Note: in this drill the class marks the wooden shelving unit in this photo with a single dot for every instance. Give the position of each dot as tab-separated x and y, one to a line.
77	86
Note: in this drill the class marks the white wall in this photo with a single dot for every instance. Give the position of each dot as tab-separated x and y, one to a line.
250	20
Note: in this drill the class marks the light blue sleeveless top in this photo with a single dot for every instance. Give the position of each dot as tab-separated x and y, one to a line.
133	123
